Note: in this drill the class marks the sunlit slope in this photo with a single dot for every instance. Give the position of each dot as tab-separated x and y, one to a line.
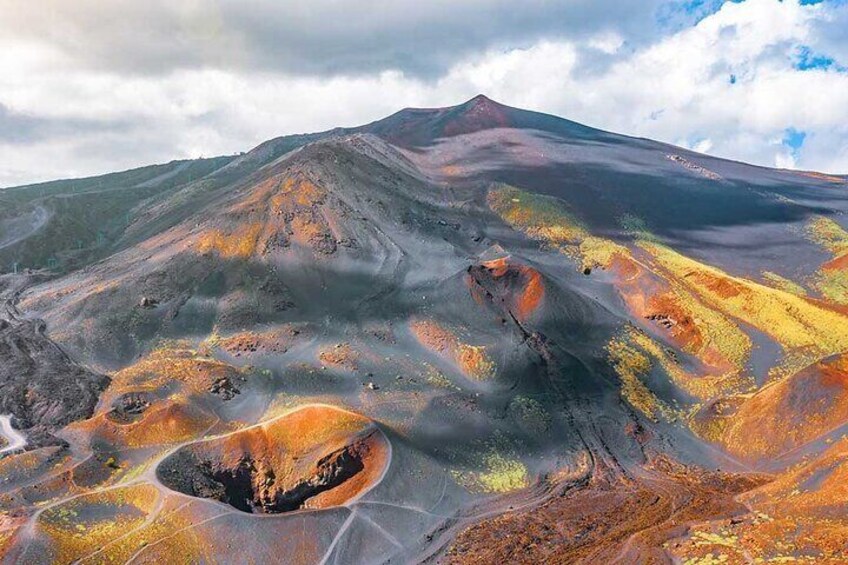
708	314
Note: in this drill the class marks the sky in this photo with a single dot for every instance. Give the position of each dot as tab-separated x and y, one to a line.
95	86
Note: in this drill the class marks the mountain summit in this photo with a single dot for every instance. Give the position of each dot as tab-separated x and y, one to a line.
419	127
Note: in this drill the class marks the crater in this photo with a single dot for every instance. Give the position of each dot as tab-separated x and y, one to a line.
516	289
316	457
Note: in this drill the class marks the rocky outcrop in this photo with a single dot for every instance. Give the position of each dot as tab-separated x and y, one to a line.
40	385
129	407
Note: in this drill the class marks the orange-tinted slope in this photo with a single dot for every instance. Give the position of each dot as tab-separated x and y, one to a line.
790	412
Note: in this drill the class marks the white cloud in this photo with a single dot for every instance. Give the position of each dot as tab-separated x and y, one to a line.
677	89
703	146
608	42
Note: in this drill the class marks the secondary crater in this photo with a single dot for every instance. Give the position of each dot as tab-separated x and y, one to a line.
315	457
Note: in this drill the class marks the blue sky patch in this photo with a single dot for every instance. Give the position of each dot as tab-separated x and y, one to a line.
806	59
794	140
678	14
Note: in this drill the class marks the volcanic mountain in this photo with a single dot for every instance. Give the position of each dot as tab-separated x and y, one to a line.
466	334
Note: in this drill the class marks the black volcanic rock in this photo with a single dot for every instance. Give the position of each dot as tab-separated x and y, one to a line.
40	385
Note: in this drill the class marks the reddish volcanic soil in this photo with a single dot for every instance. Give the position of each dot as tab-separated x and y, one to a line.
626	520
519	289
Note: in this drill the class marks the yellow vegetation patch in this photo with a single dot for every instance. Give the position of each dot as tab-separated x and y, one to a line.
708	559
701	387
436	378
84	524
829	234
176	515
164	365
636	227
297	192
718	332
546	219
631	365
784	284
833	285
807	331
760	538
831	280
599	252
709	538
241	243
502	473
531	414
541	217
712	423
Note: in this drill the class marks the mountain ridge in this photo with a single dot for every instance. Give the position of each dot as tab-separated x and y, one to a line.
300	139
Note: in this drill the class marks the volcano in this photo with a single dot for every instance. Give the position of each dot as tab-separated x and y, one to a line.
455	335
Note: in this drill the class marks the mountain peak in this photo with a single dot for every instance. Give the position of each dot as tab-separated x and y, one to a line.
480	99
482	103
